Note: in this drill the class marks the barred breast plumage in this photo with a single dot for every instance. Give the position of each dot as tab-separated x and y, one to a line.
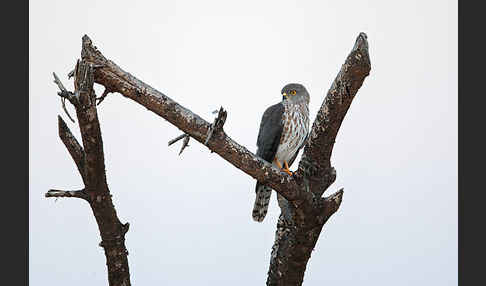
296	126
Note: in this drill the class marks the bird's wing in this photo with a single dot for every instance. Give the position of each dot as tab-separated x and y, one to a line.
271	128
297	152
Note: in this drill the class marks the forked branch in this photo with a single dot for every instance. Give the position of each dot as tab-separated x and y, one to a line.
304	212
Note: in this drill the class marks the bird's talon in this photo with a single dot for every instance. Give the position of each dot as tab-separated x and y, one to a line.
286	169
288	172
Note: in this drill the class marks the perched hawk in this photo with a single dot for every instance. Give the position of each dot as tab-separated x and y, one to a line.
282	134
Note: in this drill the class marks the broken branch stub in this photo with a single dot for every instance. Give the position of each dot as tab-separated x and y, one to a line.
217	124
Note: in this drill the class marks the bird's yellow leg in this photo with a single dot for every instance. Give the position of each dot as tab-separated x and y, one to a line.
286	169
277	162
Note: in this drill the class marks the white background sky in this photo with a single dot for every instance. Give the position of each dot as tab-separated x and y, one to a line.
190	215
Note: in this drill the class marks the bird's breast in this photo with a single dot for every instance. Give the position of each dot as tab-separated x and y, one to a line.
295	129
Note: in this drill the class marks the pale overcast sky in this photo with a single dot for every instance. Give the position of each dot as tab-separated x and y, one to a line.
190	215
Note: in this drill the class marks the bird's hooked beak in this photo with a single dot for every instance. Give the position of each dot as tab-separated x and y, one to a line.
285	95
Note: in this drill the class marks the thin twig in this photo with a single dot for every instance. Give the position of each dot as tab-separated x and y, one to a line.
103	96
59	83
63	101
185	144
63	94
177	139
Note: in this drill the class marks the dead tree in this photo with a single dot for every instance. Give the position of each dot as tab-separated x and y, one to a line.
304	210
91	166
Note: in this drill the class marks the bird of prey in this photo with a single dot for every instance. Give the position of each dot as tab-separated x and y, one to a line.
283	132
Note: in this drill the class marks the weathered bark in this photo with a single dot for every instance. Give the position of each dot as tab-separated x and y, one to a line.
299	228
91	165
296	237
316	159
303	209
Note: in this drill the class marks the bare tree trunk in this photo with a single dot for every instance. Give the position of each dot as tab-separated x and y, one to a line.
303	209
91	166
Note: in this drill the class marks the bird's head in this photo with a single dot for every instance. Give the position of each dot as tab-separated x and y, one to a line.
295	92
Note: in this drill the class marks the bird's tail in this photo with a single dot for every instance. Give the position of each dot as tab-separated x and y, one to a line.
261	202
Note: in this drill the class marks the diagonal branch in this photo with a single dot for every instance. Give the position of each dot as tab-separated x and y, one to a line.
115	79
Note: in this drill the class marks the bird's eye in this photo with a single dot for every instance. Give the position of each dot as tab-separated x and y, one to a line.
293	92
